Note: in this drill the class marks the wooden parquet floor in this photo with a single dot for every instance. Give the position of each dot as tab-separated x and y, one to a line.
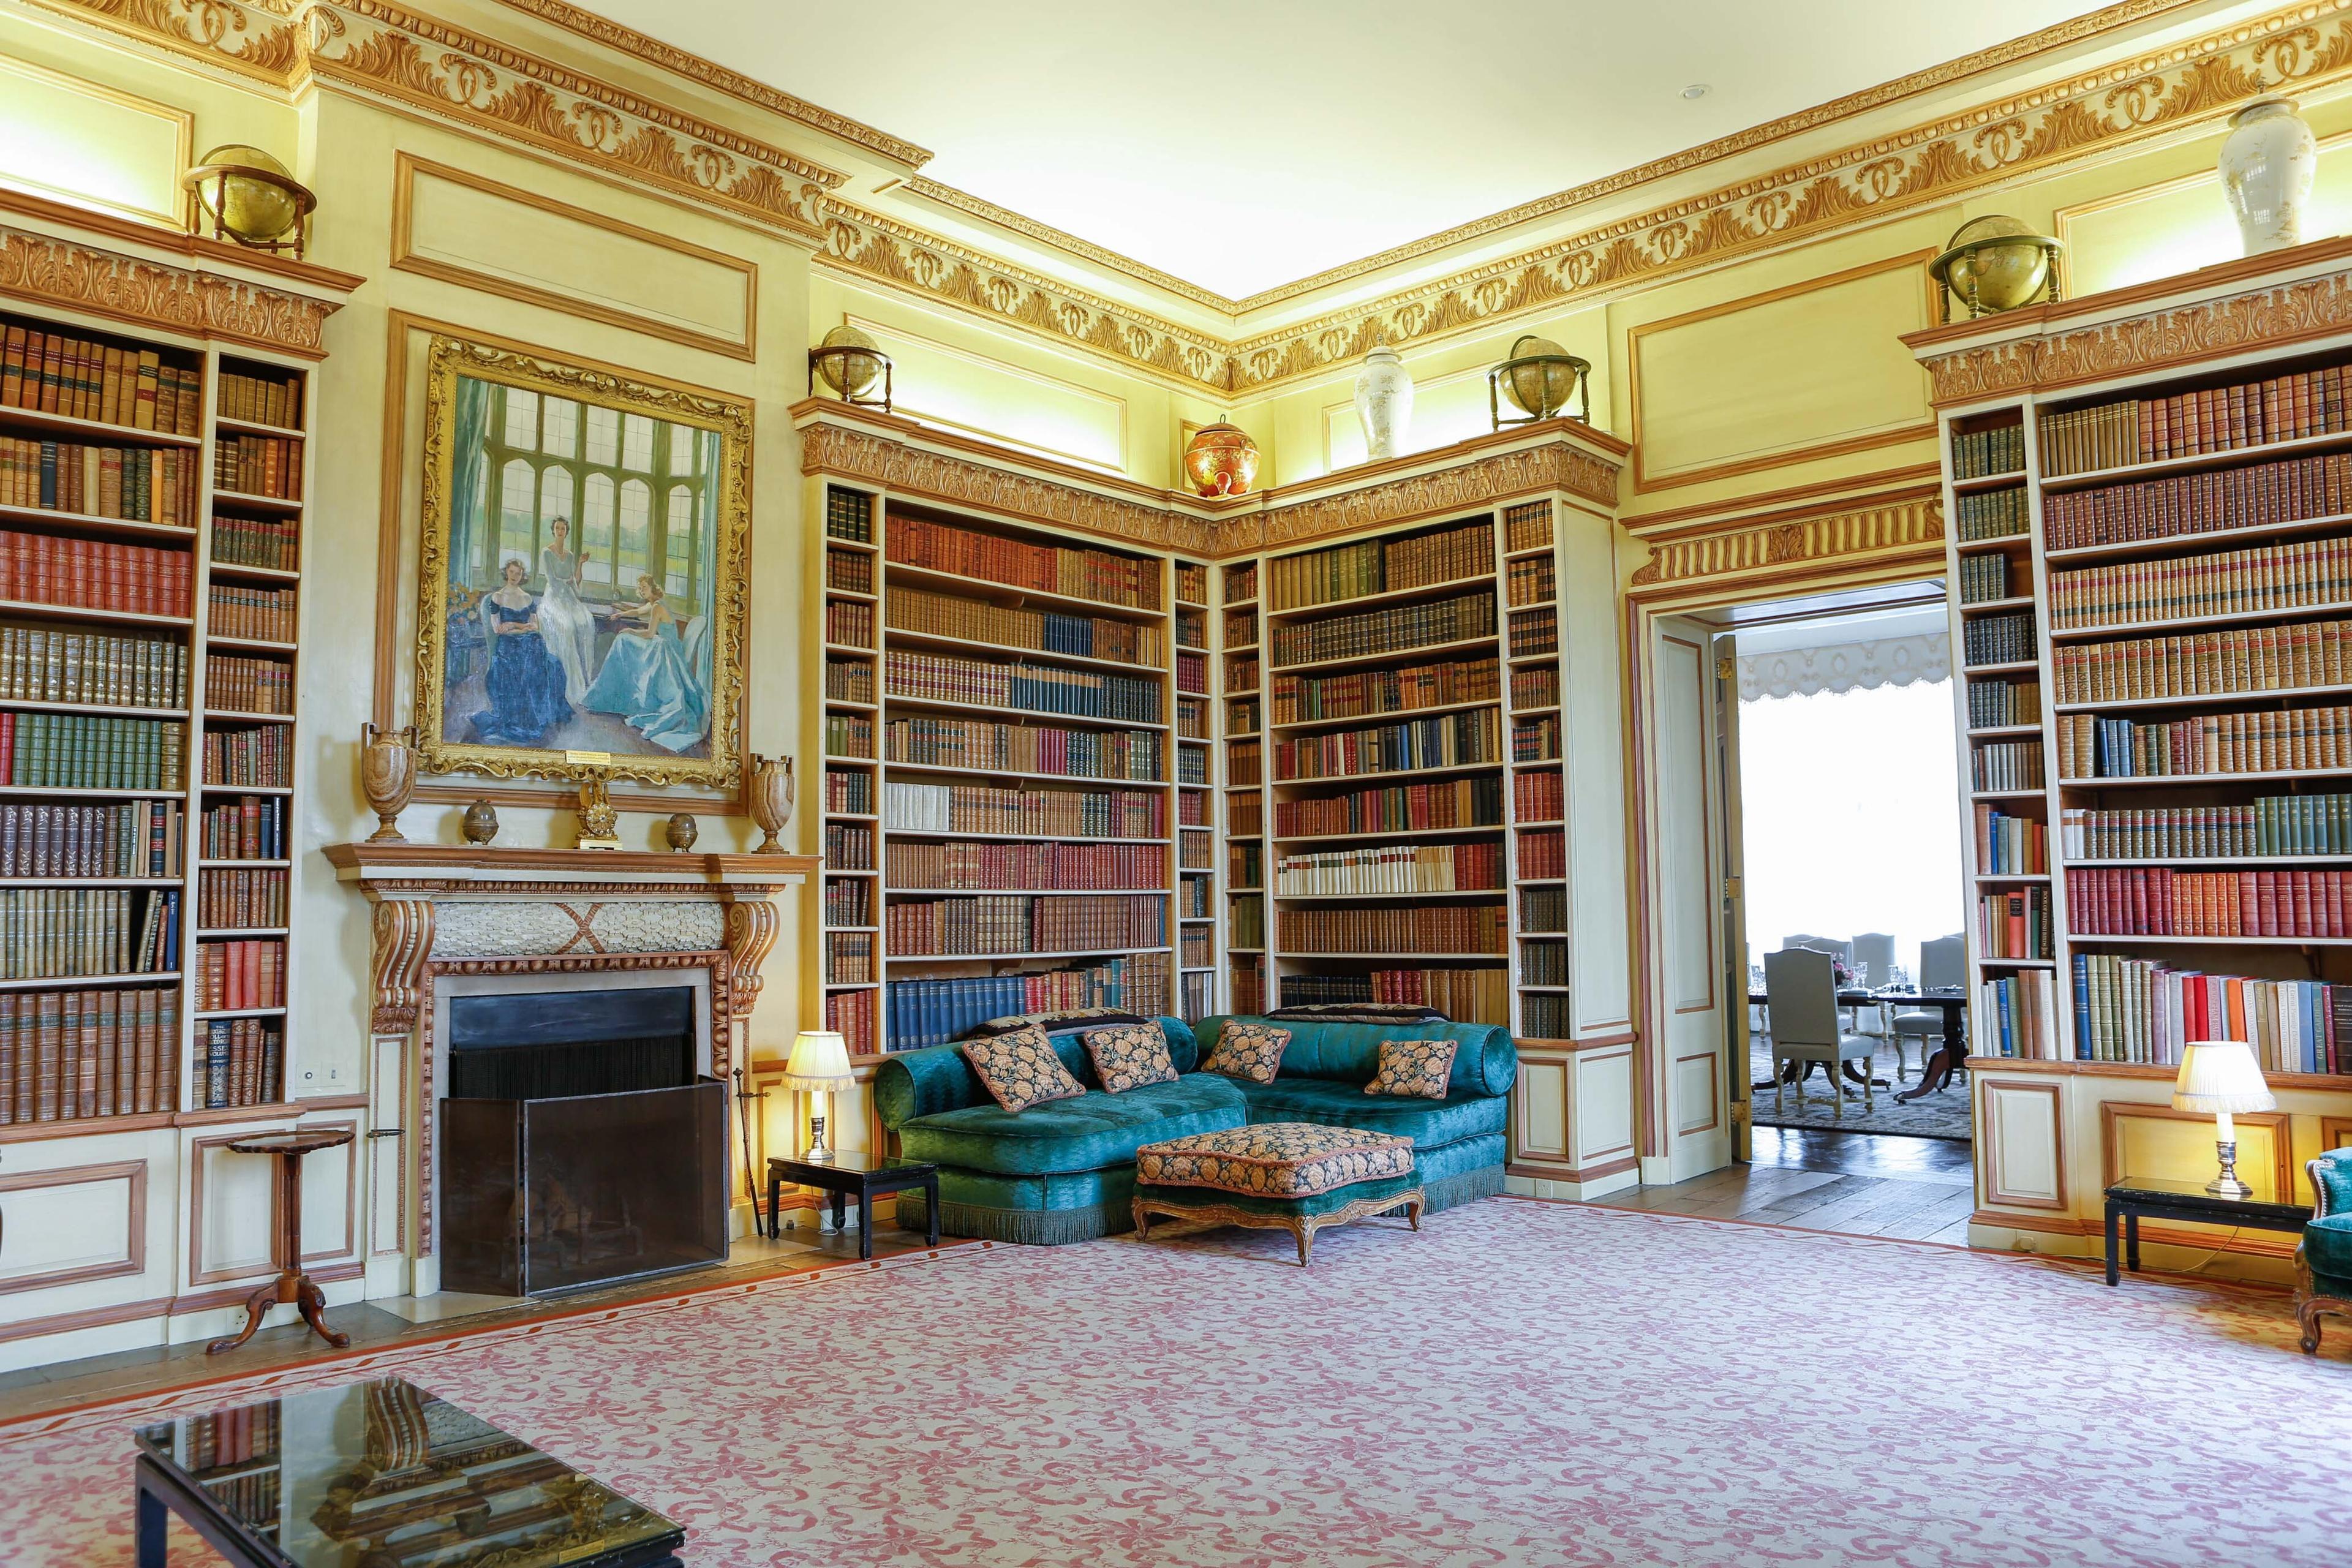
1856	1184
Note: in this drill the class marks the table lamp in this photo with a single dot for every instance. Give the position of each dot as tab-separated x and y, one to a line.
2221	1078
819	1065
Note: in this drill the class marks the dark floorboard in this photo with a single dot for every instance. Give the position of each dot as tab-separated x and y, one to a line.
1855	1184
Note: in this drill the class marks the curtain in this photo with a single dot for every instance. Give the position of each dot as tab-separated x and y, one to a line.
1844	667
468	515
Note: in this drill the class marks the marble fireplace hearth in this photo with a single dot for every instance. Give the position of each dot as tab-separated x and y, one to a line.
453	921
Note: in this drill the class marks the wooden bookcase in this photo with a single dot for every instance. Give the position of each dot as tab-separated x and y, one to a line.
2080	502
1198	772
234	554
1242	681
869	588
1454	562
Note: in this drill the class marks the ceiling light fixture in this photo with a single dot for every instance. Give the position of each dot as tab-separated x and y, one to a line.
1695	90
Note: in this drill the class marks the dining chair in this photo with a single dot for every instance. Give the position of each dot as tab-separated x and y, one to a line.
1943	965
1801	988
1874	965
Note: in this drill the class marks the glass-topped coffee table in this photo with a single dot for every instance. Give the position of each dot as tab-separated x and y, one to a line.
382	1472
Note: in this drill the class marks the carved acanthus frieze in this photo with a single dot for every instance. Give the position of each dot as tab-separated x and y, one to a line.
857	454
2280	313
1463	487
174	298
1857	532
381	48
882	249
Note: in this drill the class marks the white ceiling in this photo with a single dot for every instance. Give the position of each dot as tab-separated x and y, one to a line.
1244	143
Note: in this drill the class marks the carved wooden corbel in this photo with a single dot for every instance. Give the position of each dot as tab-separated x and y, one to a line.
752	924
404	941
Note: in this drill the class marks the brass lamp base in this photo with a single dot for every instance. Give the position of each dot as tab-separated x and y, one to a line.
2226	1185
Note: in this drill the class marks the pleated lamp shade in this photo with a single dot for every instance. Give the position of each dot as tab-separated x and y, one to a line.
820	1061
2221	1076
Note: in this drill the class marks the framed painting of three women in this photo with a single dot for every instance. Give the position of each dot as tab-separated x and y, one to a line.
582	575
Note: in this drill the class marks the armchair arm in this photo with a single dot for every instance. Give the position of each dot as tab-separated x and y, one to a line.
2331	1183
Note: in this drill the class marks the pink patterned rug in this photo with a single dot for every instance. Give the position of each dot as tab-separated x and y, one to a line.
1521	1383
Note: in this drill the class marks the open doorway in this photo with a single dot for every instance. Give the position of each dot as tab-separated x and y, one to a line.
1842	901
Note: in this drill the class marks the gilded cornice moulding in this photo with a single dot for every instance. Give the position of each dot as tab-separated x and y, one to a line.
1461	478
2092	111
378	47
858	454
1740	551
175	300
1462	488
258	39
2061	356
1060	239
712	75
868	246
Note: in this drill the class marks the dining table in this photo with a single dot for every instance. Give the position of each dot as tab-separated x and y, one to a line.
1950	1046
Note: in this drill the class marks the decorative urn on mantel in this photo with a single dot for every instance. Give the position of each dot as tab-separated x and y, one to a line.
1384	402
2267	164
769	783
387	776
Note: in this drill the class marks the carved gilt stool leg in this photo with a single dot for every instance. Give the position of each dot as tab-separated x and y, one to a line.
1304	1229
1142	1221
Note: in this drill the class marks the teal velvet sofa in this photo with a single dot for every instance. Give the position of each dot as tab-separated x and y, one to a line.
1064	1171
2324	1262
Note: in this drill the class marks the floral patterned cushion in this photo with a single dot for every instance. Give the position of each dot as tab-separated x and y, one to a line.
1131	1056
1414	1068
1252	1051
1021	1070
1275	1159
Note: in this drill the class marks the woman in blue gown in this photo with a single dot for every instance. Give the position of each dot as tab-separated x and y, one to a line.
646	678
525	682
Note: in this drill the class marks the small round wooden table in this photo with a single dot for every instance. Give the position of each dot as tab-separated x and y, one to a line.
291	1284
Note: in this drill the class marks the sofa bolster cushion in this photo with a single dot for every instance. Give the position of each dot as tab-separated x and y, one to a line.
1428	1123
1485	1060
911	1084
1089	1133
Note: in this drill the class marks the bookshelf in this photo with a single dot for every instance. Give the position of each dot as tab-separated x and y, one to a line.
2148	591
1198	774
153	492
1386	776
1241	675
999	807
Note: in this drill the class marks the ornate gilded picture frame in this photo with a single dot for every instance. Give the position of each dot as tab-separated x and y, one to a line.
583	573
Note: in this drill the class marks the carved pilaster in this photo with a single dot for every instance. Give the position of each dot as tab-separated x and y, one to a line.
404	940
751	927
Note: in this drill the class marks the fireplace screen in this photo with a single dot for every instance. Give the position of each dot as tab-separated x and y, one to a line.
579	1146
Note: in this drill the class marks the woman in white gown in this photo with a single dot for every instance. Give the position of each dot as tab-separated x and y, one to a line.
564	621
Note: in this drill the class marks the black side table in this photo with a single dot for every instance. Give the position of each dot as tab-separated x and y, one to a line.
853	1174
2163	1198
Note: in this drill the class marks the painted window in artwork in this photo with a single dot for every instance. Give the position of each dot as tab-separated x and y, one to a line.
677	542
596	524
603	437
559	458
636	443
559	431
554	501
521	418
518	507
635	548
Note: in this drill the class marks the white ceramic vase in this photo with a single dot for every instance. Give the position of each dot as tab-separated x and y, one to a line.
2267	164
1384	402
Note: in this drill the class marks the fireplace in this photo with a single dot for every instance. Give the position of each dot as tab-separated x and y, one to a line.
582	1144
453	922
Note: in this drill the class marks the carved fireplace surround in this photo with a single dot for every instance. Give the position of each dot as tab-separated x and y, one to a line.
448	912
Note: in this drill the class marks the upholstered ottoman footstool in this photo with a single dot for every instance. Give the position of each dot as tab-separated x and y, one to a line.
1278	1175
